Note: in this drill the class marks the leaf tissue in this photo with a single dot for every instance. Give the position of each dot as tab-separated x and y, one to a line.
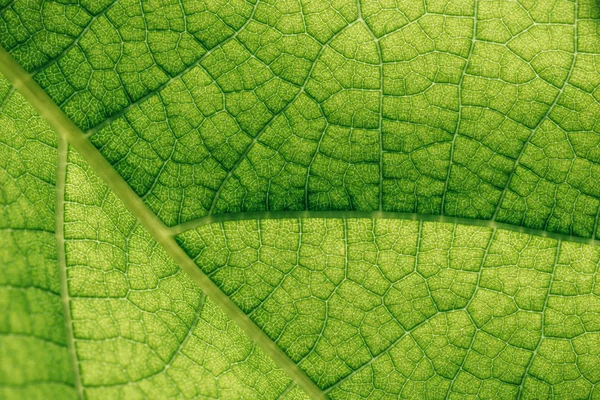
299	199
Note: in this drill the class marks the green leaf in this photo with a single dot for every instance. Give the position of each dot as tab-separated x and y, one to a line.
299	199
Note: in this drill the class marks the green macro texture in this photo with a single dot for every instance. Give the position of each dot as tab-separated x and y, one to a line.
299	199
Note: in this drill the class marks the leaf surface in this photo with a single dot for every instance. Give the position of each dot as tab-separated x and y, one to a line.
299	199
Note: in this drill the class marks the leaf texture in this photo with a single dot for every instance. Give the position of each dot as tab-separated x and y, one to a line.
263	199
474	109
376	308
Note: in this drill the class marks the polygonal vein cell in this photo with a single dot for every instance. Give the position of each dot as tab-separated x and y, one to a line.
373	307
475	109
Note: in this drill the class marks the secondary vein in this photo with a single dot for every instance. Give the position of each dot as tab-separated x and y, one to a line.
61	173
260	215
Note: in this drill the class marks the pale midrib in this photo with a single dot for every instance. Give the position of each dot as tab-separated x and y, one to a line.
259	215
61	174
70	133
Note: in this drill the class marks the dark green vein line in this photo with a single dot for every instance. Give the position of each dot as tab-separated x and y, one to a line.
460	105
545	117
107	121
